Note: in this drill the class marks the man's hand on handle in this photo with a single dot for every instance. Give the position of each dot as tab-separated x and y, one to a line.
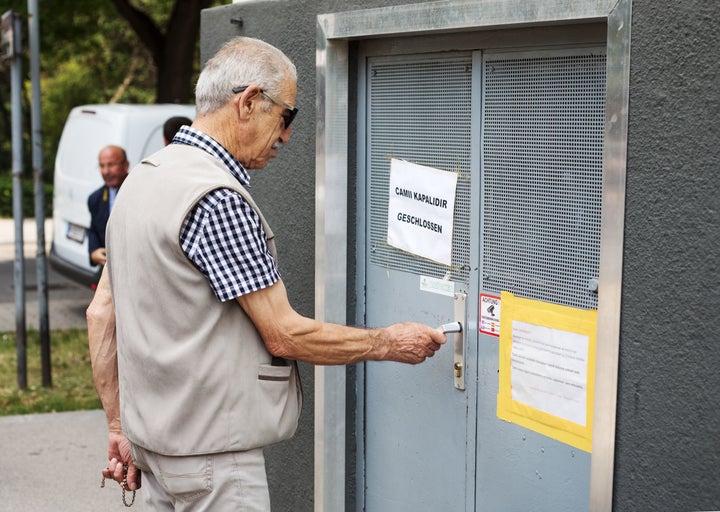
410	342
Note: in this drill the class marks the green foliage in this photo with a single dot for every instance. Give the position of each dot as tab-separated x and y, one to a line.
28	201
88	54
73	387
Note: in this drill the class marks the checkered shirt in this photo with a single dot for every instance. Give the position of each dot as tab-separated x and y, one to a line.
223	235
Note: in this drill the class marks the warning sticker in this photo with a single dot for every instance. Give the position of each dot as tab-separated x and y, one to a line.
489	314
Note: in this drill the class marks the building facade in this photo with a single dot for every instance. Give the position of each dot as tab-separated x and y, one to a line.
580	143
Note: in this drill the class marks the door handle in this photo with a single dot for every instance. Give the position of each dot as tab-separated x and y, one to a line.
456	328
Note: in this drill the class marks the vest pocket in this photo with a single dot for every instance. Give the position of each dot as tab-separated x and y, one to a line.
279	399
274	373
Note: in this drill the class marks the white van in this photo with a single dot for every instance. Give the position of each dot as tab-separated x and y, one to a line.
138	130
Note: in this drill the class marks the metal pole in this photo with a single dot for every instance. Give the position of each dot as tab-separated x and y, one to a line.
17	172
37	159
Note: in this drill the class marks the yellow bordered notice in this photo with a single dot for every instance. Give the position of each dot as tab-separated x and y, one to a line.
547	369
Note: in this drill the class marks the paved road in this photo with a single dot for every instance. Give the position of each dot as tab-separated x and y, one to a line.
49	462
67	300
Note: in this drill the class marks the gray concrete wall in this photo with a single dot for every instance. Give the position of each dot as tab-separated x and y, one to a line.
286	192
668	426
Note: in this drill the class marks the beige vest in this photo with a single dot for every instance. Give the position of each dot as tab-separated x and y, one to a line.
195	375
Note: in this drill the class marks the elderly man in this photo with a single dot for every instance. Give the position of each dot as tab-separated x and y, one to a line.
113	165
196	365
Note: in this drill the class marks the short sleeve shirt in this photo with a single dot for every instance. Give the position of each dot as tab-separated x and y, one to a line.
223	235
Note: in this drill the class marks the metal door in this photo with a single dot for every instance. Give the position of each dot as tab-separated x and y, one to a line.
524	132
542	153
419	109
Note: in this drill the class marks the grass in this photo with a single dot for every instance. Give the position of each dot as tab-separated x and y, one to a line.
73	388
28	202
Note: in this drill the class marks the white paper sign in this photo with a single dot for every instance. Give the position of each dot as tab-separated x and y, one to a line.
549	370
420	210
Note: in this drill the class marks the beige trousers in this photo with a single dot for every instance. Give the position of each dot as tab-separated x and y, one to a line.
234	481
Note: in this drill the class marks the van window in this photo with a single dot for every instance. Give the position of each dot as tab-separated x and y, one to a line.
92	133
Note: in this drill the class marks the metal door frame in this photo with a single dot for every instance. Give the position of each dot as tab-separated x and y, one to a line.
334	33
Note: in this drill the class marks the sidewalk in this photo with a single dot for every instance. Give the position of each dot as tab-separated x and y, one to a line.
7	238
49	462
52	462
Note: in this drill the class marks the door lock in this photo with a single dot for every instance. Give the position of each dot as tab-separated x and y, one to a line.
456	328
458	370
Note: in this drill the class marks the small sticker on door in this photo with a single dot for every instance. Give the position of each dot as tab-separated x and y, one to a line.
439	286
489	314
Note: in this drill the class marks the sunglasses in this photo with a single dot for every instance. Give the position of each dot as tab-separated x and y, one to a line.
289	113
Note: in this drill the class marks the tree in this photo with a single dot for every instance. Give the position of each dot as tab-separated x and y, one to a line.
173	50
100	51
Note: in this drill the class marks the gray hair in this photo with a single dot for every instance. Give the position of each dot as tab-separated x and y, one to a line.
241	61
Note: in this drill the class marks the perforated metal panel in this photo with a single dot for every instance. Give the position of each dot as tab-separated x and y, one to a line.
419	111
542	156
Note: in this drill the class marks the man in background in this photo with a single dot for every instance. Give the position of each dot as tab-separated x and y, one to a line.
172	125
113	164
